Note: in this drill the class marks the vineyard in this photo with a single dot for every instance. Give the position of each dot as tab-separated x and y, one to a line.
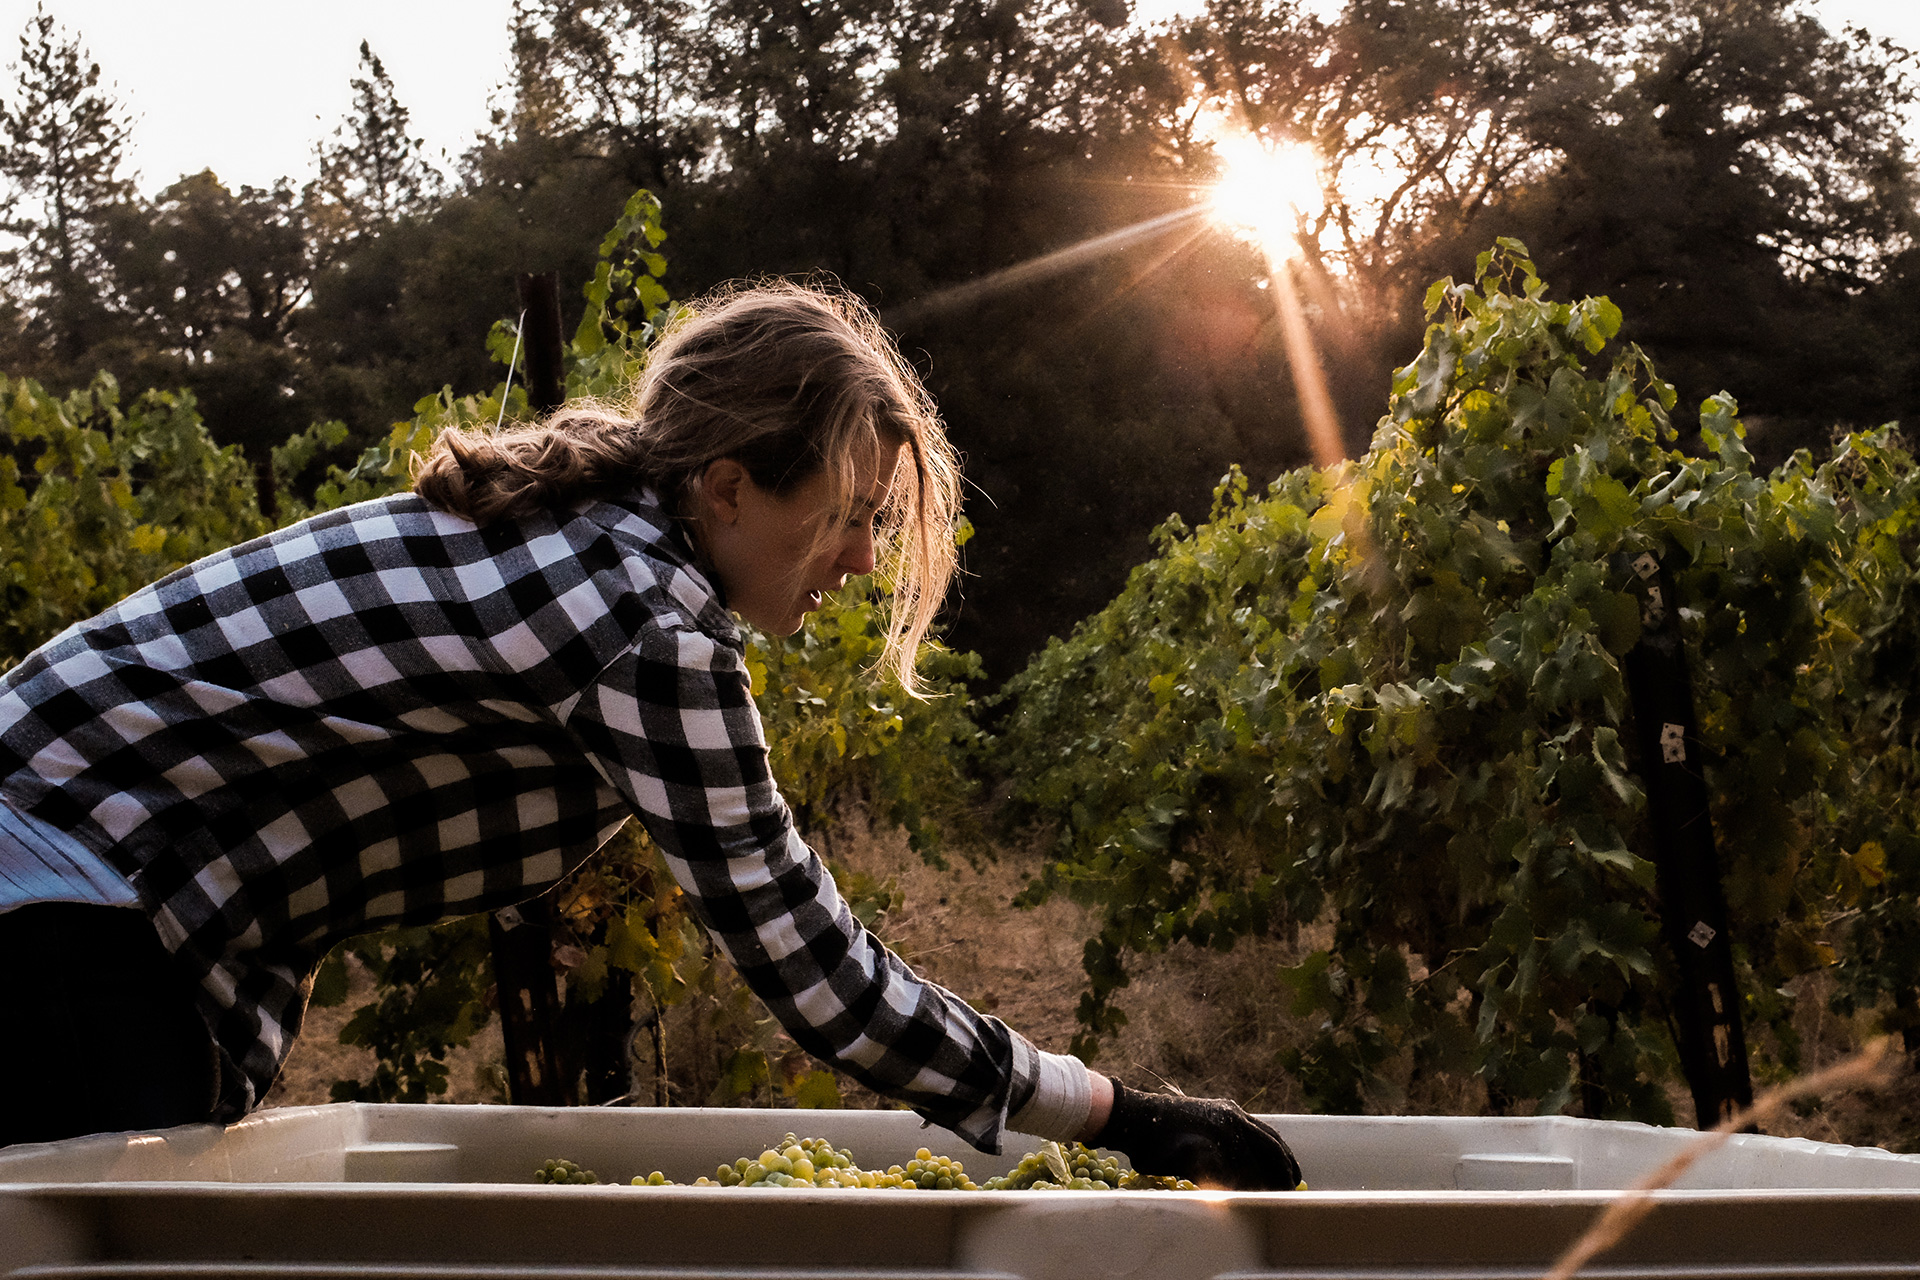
1375	716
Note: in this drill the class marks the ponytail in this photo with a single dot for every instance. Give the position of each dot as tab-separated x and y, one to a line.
584	450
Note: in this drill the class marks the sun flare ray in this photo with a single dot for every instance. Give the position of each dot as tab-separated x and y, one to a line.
1265	194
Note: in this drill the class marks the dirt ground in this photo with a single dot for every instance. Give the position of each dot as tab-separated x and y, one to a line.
1209	1023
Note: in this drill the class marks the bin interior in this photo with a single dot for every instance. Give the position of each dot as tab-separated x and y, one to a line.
363	1192
359	1142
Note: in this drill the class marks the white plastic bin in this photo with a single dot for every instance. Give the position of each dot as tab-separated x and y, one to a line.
444	1191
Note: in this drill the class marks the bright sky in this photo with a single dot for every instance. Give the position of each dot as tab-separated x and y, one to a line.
247	87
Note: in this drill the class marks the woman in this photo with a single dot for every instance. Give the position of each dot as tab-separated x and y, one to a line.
442	702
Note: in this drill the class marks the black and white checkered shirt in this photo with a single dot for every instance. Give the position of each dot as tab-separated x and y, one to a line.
385	715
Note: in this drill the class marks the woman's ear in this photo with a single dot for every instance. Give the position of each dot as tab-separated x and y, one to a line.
721	484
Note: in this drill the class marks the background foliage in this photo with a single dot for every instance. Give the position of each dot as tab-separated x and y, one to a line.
96	501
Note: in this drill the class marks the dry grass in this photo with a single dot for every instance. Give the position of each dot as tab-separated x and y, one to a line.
1882	1114
958	927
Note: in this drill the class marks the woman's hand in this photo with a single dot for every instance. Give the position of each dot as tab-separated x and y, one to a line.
1210	1141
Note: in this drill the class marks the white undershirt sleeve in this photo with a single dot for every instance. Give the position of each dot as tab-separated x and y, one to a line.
1061	1102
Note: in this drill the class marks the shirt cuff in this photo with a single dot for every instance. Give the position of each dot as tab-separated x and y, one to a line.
1061	1102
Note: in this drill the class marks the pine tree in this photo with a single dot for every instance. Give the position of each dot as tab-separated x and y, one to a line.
371	172
63	141
616	80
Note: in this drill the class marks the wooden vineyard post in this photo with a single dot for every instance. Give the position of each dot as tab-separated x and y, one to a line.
522	937
1693	902
540	335
557	1055
553	1053
528	994
605	1030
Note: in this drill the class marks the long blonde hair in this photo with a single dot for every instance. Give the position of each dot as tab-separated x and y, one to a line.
789	381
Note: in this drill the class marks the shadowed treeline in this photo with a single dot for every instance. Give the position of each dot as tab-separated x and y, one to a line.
1730	173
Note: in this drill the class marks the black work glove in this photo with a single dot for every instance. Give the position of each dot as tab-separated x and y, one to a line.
1210	1141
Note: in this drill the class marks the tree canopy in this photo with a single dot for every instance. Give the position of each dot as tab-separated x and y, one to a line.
1729	171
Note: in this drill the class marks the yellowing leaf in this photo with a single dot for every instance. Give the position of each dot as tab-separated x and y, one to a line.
1870	861
1610	507
815	1091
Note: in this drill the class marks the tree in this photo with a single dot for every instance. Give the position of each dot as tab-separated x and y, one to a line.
201	259
1750	195
615	81
207	284
62	144
371	172
1699	160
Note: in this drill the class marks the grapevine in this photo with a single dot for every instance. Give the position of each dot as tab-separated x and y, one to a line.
1387	699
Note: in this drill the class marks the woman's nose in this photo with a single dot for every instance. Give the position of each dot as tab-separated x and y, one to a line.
857	556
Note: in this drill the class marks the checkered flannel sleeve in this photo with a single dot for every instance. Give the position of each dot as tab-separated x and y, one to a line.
673	726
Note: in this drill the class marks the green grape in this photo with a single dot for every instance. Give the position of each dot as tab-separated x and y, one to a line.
814	1162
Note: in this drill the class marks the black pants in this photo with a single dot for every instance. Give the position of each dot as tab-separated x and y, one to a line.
98	1032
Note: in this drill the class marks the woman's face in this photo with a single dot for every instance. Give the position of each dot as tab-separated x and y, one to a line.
777	554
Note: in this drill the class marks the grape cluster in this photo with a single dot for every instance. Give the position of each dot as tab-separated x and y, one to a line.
1132	1181
565	1172
791	1162
929	1172
1078	1168
1054	1167
814	1162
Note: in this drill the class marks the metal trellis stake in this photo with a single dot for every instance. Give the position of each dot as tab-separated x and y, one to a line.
1693	902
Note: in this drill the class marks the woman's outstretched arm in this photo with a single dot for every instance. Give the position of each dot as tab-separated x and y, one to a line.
673	726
